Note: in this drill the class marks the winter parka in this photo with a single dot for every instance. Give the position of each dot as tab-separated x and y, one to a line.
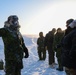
69	50
58	38
14	46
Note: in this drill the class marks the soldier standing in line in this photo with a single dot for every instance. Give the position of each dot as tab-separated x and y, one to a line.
58	37
69	48
14	47
49	43
41	48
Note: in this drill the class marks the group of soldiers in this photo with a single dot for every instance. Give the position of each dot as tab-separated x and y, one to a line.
63	43
51	43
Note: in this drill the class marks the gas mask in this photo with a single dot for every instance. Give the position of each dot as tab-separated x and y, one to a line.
14	20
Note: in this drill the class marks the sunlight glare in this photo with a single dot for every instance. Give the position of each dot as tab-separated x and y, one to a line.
53	16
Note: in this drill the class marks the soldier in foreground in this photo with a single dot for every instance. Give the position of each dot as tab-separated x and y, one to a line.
14	47
69	48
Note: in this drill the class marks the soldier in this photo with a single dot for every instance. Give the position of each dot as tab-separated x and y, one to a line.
58	37
69	48
14	46
41	48
49	41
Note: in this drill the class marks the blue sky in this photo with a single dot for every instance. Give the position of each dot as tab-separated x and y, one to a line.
38	15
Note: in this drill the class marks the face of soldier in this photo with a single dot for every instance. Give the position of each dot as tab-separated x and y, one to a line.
41	34
14	24
59	31
53	30
15	21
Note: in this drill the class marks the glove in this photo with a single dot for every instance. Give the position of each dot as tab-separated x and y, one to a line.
26	56
26	53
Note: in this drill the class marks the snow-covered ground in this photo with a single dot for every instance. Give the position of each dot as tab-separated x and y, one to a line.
31	65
